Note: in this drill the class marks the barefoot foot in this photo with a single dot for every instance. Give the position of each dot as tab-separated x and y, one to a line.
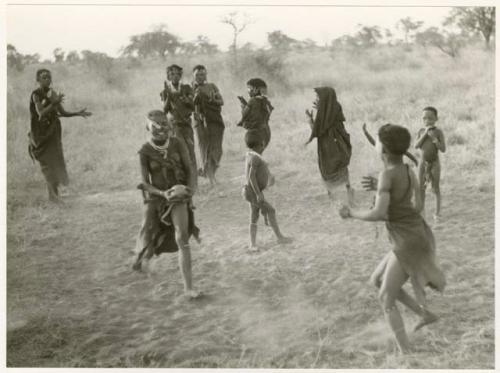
427	318
284	240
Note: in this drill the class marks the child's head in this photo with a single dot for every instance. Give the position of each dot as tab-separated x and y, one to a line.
44	77
254	141
158	125
256	86
200	74
174	73
393	139
429	116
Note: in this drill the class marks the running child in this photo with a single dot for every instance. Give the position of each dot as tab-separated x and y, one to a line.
258	177
413	255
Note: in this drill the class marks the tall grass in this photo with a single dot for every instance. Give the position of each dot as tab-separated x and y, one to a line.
376	86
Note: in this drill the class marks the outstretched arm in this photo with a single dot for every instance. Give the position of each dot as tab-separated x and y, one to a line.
80	113
371	140
379	211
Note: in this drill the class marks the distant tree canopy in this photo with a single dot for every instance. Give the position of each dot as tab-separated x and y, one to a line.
201	45
158	42
475	20
447	42
278	40
18	60
58	55
409	27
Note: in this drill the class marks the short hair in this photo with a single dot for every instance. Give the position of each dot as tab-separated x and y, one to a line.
40	72
157	116
395	139
257	83
253	139
174	67
199	67
431	108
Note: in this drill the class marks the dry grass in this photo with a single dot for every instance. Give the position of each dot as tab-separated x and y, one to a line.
72	299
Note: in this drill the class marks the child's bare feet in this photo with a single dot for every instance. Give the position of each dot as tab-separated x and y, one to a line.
253	248
427	318
193	294
284	240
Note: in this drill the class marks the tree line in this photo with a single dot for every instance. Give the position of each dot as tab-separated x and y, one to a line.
463	25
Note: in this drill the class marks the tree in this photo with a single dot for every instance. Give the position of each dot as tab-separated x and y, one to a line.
14	58
158	42
446	42
279	40
238	22
204	46
408	26
368	36
474	19
58	55
72	57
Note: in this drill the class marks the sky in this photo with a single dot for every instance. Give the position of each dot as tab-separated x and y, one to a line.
107	28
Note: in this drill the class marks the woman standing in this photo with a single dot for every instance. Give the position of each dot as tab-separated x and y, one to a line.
208	123
167	183
334	146
45	135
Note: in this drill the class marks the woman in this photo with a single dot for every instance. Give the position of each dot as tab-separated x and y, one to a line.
413	255
334	146
168	217
45	135
208	123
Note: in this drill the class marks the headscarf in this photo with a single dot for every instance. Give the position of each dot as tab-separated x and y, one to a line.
329	113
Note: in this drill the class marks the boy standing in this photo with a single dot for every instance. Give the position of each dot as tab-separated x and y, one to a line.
430	141
258	178
257	111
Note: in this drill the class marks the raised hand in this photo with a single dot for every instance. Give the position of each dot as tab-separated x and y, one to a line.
369	183
84	113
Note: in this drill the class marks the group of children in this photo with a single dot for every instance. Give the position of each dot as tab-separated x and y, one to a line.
168	171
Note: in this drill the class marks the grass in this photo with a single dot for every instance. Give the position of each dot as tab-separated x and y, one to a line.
72	299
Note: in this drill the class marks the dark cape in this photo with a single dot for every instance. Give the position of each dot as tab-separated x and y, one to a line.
334	145
45	141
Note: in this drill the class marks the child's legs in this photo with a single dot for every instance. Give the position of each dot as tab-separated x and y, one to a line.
421	180
436	176
273	221
180	220
403	296
254	218
150	225
392	281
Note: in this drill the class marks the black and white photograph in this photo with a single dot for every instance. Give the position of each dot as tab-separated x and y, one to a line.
249	185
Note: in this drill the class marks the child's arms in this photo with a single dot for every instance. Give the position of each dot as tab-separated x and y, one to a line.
438	140
379	211
421	135
416	191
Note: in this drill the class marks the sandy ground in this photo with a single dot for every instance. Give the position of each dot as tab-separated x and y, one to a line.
73	299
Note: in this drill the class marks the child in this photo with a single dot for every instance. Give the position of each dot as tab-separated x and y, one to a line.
257	111
45	137
258	178
413	253
430	140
